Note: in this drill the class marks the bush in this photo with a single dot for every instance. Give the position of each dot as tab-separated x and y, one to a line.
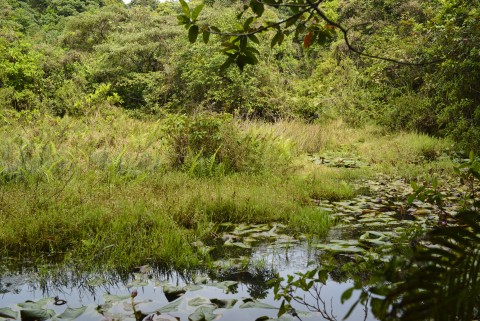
209	144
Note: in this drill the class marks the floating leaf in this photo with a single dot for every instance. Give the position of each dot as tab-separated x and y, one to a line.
8	313
72	313
225	285
229	242
36	314
35	305
173	292
137	283
172	306
96	281
199	301
160	317
340	248
200	279
255	304
110	298
193	287
203	314
224	303
161	283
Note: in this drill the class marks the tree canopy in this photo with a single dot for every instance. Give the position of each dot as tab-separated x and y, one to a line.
310	60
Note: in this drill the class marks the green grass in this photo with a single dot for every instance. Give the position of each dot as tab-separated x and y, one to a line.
104	190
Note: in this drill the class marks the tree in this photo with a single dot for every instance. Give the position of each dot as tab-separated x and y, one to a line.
311	21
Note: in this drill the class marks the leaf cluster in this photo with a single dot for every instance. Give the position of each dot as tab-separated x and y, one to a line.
239	44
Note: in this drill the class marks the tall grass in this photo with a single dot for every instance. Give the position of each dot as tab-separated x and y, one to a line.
105	189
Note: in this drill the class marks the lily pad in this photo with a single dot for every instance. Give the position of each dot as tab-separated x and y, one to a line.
172	306
161	283
193	287
255	304
96	281
200	279
137	283
72	313
110	298
203	314
36	314
225	285
173	292
160	317
229	242
8	313
340	248
199	301
224	303
31	305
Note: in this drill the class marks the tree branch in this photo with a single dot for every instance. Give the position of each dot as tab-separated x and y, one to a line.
357	51
261	29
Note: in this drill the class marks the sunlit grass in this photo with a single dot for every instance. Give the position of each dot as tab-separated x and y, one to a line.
103	191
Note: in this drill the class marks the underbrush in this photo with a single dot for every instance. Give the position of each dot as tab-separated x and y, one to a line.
120	191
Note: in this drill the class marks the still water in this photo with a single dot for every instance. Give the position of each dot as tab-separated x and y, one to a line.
237	291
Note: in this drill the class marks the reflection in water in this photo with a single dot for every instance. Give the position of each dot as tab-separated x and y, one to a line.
253	275
256	279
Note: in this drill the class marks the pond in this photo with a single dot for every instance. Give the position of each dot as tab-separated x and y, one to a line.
236	285
236	289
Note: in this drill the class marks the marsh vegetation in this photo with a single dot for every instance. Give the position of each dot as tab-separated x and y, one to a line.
135	152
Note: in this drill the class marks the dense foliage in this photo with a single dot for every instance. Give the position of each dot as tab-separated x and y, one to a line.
69	57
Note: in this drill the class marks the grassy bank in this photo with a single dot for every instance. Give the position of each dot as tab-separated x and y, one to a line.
121	191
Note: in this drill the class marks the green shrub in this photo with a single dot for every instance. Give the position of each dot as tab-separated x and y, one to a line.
209	143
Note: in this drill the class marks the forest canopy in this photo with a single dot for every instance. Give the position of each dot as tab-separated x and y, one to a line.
72	57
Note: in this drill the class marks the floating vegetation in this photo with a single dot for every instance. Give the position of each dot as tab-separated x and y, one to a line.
376	219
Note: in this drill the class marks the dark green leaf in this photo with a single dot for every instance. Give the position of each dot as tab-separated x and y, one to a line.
183	19
257	7
283	309
197	10
347	294
243	42
193	33
350	310
240	62
185	8
37	314
292	21
253	50
254	38
275	39
246	24
300	29
206	36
